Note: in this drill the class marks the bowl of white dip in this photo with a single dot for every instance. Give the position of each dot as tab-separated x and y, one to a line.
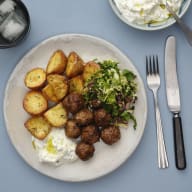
148	15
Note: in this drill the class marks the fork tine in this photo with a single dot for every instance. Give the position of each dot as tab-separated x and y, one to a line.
154	65
157	62
150	65
147	66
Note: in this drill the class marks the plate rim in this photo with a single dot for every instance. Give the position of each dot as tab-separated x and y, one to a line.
31	51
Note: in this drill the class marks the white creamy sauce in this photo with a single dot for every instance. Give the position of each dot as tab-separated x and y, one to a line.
146	11
56	148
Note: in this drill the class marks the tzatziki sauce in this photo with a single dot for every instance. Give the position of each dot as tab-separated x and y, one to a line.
56	148
146	11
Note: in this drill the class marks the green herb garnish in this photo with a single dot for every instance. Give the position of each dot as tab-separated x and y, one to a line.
115	89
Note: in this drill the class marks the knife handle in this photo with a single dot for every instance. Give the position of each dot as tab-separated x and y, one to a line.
180	158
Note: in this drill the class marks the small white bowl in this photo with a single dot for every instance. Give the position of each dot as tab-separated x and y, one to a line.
152	27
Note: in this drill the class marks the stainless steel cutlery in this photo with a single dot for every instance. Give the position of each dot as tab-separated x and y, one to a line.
153	81
173	100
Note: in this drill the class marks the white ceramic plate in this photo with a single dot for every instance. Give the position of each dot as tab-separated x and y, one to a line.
106	158
152	27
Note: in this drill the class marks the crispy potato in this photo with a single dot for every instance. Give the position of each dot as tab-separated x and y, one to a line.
35	78
48	92
35	103
57	115
59	85
76	84
38	127
75	65
90	69
57	63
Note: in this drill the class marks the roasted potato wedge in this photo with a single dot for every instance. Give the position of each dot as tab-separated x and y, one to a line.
57	115
75	65
38	126
35	103
49	93
76	84
57	63
90	69
59	85
35	78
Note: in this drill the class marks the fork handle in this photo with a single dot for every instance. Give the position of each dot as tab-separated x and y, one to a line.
180	158
162	154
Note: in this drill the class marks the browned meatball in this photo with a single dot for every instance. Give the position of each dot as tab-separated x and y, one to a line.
84	117
73	102
95	103
85	151
102	118
110	135
72	130
90	134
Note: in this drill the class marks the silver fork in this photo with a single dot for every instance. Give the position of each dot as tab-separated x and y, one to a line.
153	81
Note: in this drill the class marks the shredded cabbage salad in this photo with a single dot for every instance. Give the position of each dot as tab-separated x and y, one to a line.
116	89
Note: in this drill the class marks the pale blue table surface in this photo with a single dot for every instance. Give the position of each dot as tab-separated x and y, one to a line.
140	172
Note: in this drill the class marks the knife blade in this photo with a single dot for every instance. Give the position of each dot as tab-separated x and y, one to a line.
173	101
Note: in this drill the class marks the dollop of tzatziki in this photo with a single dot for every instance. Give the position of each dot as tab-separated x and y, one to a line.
146	11
56	148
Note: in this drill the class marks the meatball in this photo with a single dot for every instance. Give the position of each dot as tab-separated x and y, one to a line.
95	103
72	130
102	118
85	151
90	134
84	117
110	135
73	102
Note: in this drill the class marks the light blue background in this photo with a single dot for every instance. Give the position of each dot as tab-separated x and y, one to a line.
140	172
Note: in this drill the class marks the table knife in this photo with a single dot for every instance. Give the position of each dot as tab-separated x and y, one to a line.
173	100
